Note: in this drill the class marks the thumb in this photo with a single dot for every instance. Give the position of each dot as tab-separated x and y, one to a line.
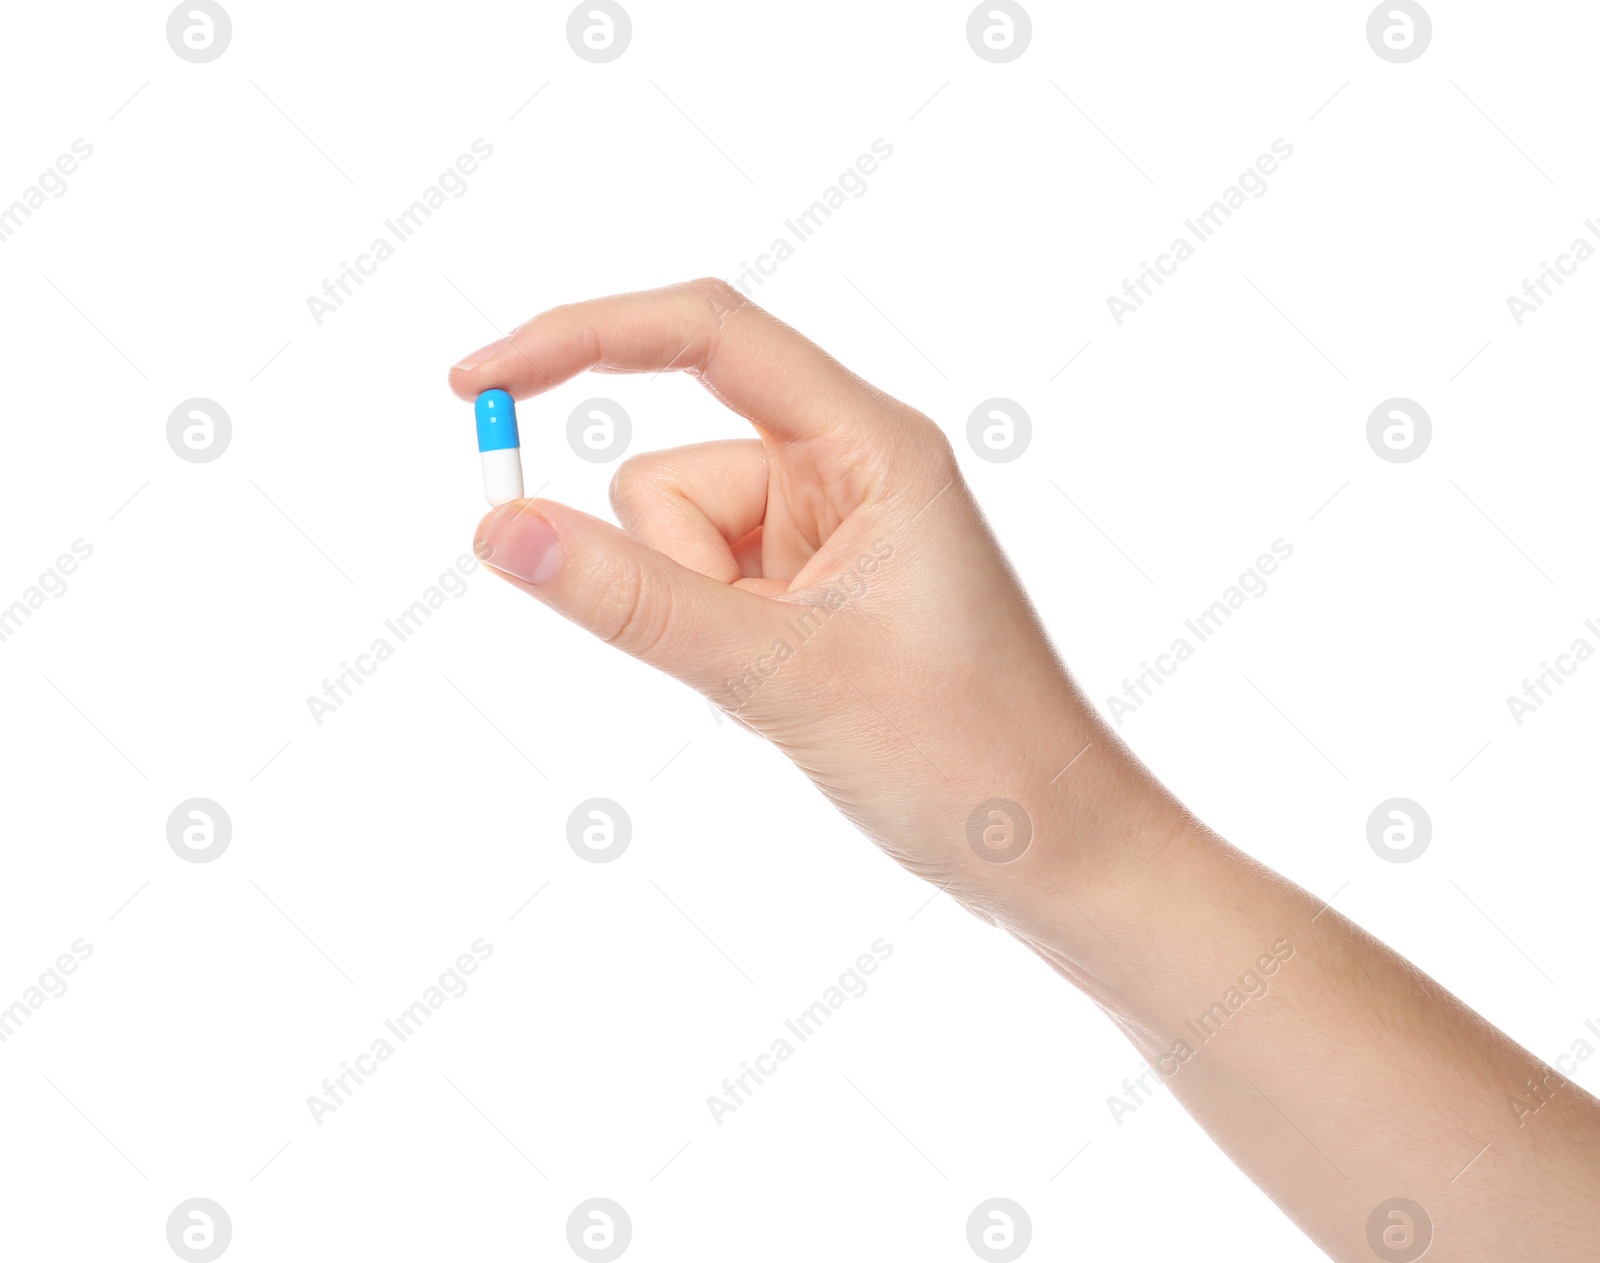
641	601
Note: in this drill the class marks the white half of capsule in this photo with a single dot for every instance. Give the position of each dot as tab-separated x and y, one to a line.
502	475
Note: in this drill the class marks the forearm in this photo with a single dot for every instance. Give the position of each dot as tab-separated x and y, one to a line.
836	588
1332	1071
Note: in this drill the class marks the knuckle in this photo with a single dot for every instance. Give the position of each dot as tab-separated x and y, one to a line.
633	476
941	451
925	446
717	290
721	298
631	613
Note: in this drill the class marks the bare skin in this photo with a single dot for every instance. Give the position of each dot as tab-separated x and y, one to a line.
926	686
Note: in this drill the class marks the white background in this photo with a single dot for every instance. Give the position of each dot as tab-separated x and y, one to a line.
369	851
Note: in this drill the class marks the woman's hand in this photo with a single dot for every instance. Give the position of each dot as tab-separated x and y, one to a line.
831	584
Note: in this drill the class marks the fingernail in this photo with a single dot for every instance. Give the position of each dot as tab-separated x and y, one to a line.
522	545
483	353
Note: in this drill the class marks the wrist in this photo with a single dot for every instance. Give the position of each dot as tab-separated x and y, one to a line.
1082	840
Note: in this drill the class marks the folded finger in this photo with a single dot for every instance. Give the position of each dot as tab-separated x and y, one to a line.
696	504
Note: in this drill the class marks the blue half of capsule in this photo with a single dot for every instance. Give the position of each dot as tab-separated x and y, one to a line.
497	421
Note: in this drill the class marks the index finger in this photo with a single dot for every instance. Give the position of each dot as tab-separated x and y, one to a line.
758	366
